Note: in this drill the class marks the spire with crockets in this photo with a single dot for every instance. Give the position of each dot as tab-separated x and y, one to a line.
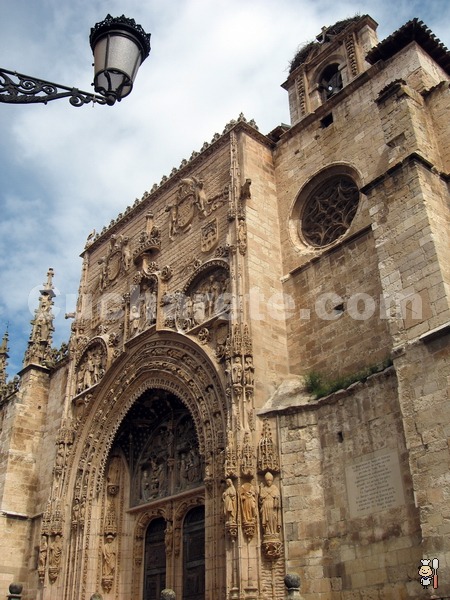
40	343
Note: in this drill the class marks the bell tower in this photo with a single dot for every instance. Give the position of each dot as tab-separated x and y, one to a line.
323	67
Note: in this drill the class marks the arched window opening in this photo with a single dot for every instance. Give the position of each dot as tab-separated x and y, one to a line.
328	210
330	81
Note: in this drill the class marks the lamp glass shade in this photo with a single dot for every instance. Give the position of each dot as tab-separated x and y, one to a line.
117	59
119	47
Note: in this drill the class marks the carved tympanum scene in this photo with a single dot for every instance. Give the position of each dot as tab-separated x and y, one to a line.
159	442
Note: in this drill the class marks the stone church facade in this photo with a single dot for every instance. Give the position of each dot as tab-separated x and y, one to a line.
257	380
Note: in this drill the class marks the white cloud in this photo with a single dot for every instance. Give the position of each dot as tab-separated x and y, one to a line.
67	170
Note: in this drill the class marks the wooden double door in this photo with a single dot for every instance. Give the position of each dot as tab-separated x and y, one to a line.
191	563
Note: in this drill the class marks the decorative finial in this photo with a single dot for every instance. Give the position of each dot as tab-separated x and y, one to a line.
3	359
40	342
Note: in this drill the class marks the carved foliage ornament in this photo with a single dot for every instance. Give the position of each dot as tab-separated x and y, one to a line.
267	452
110	529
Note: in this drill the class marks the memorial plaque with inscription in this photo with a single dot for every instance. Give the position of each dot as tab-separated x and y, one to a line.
374	483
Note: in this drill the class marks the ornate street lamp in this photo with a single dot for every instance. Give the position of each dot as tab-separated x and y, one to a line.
119	46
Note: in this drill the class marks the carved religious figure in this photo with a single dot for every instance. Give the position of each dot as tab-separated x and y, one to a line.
54	557
249	371
270	505
150	306
204	298
135	317
109	552
236	371
145	486
127	256
248	508
229	498
91	367
43	549
172	209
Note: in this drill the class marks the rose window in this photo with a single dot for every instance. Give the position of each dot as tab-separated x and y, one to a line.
329	211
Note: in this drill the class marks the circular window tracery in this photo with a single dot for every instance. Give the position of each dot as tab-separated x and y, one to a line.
329	210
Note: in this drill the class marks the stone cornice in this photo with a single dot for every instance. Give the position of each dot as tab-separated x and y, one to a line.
186	166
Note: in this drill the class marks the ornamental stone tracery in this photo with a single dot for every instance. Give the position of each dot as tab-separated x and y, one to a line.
329	210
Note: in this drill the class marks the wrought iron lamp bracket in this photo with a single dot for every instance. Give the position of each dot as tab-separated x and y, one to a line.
16	88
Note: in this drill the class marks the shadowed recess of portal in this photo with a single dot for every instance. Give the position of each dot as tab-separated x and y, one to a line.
159	442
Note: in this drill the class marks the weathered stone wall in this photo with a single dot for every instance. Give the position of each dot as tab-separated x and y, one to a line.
437	102
423	376
264	298
409	264
339	537
24	417
337	323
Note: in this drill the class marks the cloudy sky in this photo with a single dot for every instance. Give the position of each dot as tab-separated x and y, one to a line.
66	171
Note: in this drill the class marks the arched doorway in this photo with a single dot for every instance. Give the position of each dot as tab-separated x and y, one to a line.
159	443
158	416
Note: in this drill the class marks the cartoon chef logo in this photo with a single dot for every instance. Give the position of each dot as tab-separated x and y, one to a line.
428	572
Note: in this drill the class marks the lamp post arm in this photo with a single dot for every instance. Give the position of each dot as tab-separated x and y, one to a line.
16	88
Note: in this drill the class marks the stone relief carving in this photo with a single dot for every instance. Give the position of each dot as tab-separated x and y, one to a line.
149	240
209	236
229	498
117	258
270	504
50	547
110	528
109	557
230	456
142	305
43	551
267	453
91	367
54	557
242	236
169	303
170	462
190	200
248	457
203	300
270	512
249	511
351	54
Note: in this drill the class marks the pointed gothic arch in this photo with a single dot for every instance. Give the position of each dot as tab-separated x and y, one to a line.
165	361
